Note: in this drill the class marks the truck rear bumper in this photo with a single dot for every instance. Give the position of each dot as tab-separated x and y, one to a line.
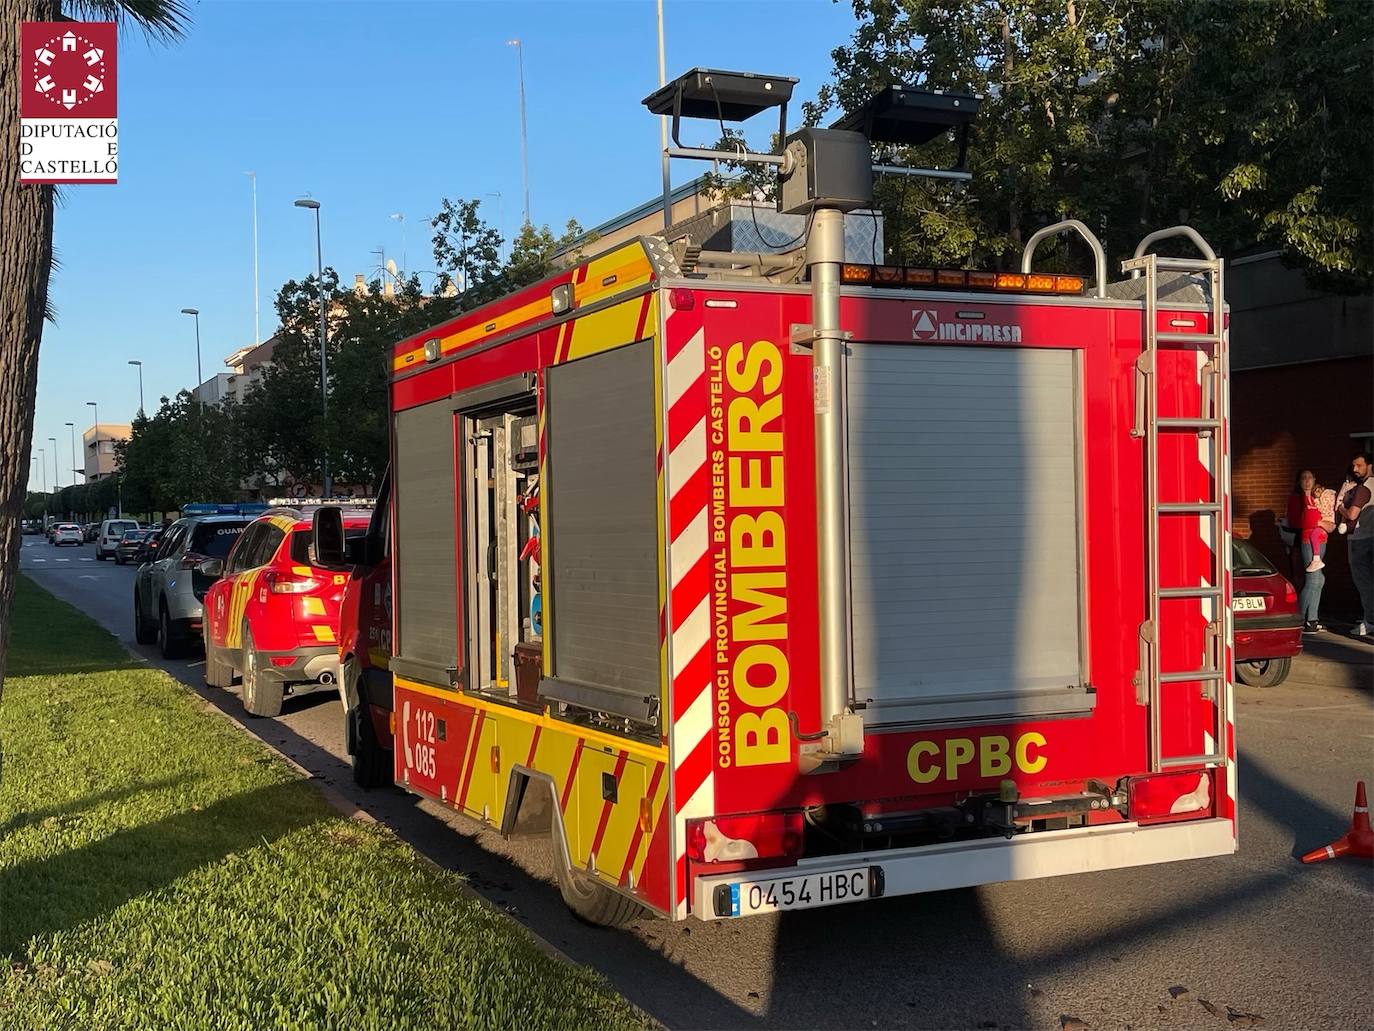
967	863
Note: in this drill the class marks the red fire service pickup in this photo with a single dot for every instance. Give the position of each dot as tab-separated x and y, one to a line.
767	581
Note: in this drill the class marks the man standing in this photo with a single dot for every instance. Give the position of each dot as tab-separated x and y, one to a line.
1355	517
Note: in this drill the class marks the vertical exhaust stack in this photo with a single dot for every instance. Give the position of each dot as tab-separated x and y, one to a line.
829	172
822	173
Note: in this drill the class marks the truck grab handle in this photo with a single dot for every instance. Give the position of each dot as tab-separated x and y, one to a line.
1164	234
1099	255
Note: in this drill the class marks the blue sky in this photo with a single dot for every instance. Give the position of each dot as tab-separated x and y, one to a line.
372	108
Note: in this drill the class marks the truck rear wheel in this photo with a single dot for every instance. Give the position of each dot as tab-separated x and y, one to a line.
591	901
1264	673
371	763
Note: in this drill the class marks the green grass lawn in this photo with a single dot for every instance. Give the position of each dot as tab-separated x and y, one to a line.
160	869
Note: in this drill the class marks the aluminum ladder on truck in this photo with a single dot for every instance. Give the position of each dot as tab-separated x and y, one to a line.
1208	424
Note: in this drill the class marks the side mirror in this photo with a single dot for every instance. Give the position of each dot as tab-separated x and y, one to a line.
327	535
212	568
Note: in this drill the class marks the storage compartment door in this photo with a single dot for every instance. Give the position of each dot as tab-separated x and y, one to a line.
426	556
966	539
601	546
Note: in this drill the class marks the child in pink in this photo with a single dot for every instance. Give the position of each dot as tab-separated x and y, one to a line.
1312	515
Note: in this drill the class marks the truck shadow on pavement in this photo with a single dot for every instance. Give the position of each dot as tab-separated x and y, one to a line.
1313	823
25	818
93	880
647	976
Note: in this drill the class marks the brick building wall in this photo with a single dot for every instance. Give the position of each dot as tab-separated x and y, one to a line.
1285	419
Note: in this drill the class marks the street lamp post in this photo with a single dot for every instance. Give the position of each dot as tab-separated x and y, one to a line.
71	427
500	221
328	484
524	139
257	328
195	313
56	480
140	385
96	411
43	461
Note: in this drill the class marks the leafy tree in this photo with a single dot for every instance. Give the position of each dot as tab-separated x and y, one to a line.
184	452
531	255
26	258
467	251
1251	121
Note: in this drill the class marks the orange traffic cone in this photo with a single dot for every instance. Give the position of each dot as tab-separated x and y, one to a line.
1358	841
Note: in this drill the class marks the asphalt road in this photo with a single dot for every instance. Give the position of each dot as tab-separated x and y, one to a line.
1257	933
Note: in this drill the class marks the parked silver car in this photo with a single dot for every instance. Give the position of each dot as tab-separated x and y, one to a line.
169	589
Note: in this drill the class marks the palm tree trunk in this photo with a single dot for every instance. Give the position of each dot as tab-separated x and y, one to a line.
25	262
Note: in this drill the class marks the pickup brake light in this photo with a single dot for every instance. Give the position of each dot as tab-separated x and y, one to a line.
290	583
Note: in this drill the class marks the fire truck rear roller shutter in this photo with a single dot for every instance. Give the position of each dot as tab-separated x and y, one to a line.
603	517
964	470
426	540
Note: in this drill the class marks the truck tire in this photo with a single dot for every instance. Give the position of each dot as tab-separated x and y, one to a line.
218	673
169	641
261	697
594	903
1265	672
99	555
371	762
143	633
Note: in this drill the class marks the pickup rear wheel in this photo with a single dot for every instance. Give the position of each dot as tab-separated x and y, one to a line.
261	697
143	632
169	640
1265	672
218	673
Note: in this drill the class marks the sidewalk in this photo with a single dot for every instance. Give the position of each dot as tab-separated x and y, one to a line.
1336	658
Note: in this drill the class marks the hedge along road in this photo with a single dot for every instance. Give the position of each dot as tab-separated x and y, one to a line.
1255	932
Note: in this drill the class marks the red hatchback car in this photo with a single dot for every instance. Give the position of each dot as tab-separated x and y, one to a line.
273	616
1268	631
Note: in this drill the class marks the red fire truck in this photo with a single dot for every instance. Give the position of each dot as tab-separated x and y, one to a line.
770	581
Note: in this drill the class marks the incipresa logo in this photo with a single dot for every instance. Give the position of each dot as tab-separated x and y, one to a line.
926	325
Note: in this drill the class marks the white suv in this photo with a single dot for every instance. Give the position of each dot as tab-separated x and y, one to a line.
108	538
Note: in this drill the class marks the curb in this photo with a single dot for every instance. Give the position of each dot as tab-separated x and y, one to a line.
352	811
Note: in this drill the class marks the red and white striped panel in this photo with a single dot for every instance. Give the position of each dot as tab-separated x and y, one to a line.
1228	654
689	584
1213	608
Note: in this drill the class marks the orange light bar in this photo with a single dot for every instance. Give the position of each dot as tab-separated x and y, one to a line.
1039	283
1011	281
887	274
856	273
1068	284
982	280
920	277
950	277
